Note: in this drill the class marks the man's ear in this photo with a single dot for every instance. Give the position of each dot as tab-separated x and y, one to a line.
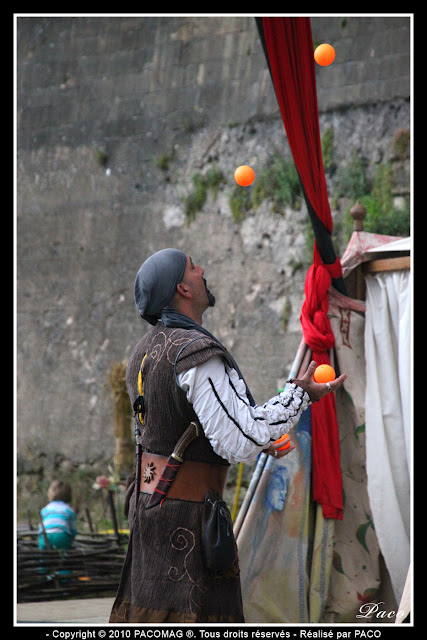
181	288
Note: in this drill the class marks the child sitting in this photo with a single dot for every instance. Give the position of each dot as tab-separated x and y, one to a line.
59	519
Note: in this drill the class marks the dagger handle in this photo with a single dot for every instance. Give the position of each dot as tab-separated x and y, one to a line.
189	434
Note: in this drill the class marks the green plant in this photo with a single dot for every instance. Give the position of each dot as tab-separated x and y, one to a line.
391	222
162	161
286	314
101	157
279	181
382	216
400	143
352	180
327	143
239	202
295	264
195	201
382	186
213	179
187	124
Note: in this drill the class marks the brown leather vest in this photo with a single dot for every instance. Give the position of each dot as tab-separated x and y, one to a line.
167	411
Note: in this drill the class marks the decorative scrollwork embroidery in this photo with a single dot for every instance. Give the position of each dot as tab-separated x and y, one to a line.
167	343
184	540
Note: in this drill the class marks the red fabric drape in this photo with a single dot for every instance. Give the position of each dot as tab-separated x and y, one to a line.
290	52
326	477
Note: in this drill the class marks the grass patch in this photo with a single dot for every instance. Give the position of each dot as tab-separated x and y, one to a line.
240	203
286	314
327	143
163	161
352	180
382	216
279	181
202	183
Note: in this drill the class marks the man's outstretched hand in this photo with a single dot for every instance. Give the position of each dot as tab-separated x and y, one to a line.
317	390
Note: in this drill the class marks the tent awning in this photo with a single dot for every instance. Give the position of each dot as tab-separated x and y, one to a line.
403	244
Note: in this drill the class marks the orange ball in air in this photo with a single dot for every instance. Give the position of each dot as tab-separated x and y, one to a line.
324	373
286	439
324	55
244	175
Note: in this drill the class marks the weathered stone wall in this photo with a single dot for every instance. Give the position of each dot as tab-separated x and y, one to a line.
114	117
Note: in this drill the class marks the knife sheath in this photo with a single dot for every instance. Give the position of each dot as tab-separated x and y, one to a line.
172	466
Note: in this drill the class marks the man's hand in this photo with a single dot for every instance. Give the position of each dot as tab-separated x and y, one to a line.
317	390
273	450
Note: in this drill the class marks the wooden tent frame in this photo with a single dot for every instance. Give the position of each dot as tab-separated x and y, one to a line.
389	261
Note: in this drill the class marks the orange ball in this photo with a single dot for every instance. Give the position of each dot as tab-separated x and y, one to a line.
244	175
286	439
324	55
324	373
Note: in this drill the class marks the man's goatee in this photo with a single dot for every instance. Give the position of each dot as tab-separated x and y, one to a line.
211	297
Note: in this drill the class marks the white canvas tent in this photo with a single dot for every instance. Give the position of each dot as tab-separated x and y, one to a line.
388	394
297	566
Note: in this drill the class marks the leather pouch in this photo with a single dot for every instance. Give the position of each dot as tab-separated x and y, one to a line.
219	550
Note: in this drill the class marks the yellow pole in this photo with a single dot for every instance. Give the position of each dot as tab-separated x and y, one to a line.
236	495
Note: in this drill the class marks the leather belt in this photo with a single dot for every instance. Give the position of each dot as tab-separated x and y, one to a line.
192	482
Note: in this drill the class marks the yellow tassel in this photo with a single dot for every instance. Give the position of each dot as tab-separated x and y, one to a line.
140	388
140	376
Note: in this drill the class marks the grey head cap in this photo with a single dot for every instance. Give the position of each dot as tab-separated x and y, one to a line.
156	282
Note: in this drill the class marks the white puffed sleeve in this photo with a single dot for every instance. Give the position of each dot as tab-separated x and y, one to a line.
237	431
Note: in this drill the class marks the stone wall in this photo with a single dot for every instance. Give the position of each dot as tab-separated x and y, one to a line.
114	117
